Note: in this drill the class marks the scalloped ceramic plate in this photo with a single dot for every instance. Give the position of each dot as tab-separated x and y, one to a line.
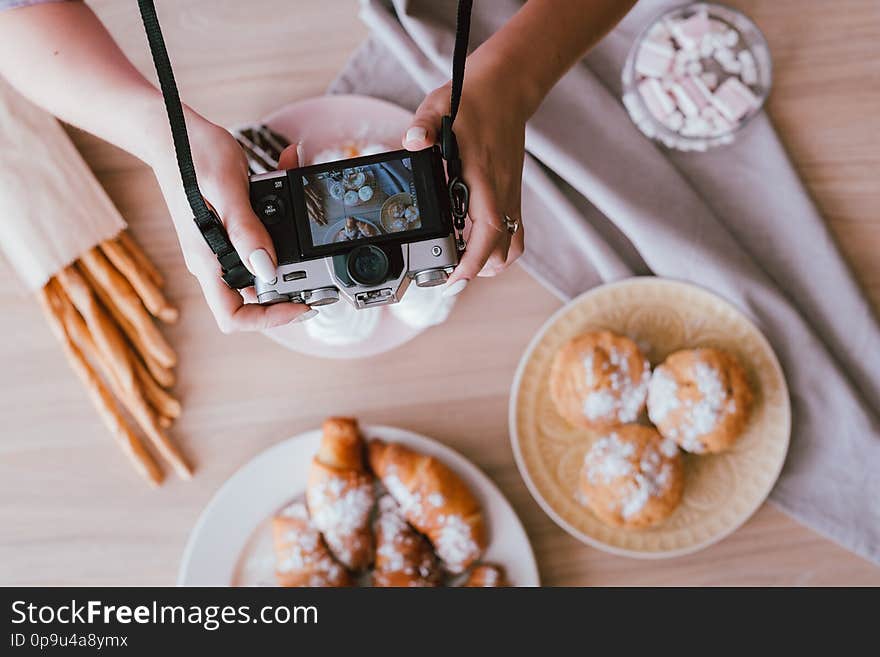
230	544
721	491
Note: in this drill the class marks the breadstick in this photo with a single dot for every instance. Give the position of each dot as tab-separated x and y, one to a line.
120	293
140	258
162	374
133	398
160	399
148	291
77	329
149	422
142	460
106	334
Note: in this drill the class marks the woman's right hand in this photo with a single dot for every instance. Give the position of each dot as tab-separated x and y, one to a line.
222	171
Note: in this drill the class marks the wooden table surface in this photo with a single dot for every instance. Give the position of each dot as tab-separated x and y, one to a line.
73	512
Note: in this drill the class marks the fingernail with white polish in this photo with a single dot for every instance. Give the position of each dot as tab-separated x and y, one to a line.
263	267
307	315
451	289
416	134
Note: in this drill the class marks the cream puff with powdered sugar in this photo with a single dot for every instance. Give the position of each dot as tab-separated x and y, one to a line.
632	477
701	399
600	380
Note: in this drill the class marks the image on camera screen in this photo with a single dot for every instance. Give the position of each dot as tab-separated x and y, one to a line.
355	203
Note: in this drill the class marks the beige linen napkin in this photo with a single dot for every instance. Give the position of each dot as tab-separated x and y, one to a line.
52	209
601	202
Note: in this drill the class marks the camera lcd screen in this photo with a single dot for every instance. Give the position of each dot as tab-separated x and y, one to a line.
350	204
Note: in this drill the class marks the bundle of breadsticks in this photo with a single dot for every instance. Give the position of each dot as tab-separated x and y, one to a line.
102	309
101	293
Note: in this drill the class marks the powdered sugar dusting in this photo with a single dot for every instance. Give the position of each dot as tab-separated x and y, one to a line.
706	413
653	478
393	529
612	462
399	547
590	375
410	502
668	448
436	500
662	395
622	400
455	544
342	512
608	459
302	550
599	404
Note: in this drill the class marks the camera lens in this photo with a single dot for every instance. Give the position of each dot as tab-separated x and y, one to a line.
368	265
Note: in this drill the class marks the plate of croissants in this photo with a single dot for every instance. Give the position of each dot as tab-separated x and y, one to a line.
351	505
650	418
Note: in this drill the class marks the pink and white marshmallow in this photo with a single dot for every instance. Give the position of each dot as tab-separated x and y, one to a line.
734	99
654	59
658	102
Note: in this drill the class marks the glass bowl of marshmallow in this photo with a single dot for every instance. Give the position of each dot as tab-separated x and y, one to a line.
696	76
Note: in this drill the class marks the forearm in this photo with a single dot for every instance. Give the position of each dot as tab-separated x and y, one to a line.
544	39
61	57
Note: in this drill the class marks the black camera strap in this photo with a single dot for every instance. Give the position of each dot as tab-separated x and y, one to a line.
234	273
459	196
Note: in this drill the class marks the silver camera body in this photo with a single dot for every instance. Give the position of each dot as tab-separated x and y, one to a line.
372	257
316	283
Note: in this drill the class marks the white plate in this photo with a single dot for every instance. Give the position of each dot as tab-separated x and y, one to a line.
229	524
329	122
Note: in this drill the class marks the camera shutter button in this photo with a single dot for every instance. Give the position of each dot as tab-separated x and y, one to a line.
270	209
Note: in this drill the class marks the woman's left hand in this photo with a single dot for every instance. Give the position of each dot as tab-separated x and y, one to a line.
490	130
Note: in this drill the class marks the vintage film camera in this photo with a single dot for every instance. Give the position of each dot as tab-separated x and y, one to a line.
358	229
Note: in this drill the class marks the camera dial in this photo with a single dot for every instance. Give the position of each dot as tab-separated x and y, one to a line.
270	208
323	296
431	278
